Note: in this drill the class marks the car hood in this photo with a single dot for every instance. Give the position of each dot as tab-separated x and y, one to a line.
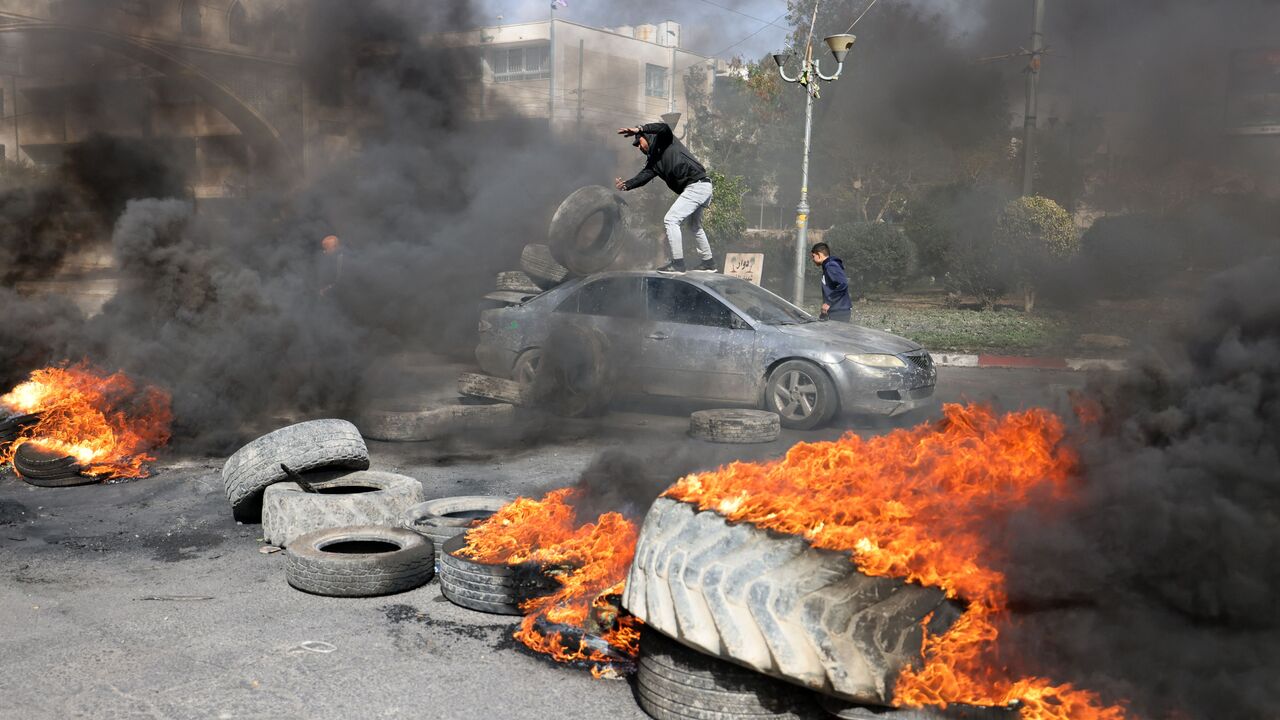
853	337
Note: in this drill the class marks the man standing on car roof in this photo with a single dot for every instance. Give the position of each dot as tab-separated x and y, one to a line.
670	160
836	304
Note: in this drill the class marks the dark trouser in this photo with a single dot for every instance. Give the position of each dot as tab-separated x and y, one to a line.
840	316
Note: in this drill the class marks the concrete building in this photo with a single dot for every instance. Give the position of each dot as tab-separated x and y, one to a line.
211	82
591	81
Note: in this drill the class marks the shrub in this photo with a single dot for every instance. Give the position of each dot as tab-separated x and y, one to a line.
1033	236
875	255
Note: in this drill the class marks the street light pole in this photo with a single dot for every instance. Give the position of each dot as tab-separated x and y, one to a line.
1033	85
810	73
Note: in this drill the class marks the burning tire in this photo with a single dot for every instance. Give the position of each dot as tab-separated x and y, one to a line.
801	394
314	445
536	261
441	519
491	388
424	425
676	683
734	426
777	605
360	498
838	709
518	282
12	428
575	376
587	233
364	561
495	589
45	468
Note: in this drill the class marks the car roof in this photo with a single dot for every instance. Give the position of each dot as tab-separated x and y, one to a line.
697	278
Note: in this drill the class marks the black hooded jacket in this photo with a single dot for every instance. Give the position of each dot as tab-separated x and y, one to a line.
668	159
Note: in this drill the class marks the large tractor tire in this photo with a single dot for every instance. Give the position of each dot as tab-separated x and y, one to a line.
777	605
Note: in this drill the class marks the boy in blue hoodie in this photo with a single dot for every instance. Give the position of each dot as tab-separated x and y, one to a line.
836	304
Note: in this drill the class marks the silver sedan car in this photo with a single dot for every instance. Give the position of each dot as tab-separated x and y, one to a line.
722	340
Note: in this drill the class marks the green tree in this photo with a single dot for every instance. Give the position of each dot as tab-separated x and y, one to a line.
724	220
1034	235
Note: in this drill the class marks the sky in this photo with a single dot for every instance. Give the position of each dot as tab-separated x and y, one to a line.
711	27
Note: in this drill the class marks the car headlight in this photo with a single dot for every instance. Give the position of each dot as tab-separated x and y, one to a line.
876	360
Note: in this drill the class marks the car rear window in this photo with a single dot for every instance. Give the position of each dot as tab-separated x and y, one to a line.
609	297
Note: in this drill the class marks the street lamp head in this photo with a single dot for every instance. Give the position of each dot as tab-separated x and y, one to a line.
780	58
840	45
672	119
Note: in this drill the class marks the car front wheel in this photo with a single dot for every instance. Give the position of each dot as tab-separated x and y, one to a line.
801	394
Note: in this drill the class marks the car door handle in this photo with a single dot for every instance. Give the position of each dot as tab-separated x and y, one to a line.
660	335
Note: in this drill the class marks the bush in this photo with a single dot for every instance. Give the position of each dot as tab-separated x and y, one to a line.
1033	237
875	255
724	220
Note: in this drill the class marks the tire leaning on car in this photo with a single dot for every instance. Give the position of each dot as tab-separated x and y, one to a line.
801	394
587	233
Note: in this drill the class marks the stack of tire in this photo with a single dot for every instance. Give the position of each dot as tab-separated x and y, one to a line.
591	232
741	623
310	487
484	403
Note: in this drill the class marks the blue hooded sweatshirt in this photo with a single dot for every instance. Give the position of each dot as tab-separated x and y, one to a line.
835	285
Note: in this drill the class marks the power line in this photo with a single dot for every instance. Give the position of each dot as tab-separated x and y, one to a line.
745	15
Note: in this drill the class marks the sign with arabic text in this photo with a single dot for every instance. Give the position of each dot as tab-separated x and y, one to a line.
748	266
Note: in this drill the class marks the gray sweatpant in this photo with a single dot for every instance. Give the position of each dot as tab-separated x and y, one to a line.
689	206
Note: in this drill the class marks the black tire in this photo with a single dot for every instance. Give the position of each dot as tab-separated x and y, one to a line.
734	426
576	375
495	589
537	262
516	281
43	468
587	232
776	605
434	424
314	445
288	512
809	387
845	711
441	519
312	567
491	388
675	682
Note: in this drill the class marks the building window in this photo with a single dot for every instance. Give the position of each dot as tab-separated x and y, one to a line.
191	17
529	62
655	81
238	24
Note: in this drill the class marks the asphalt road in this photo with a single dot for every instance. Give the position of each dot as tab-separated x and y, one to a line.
146	600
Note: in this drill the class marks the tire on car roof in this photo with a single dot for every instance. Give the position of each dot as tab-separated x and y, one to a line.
541	267
313	445
587	232
516	281
362	561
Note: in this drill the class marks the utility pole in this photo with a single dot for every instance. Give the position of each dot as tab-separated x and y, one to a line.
551	62
1033	88
582	48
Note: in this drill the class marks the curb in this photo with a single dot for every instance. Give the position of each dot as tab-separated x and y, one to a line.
1037	363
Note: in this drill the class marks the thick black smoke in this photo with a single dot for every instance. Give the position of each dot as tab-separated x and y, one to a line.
1165	573
228	304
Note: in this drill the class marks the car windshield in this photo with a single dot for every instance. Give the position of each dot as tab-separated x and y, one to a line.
758	303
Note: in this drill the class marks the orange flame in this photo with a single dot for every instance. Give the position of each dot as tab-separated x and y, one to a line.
104	420
588	561
919	504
